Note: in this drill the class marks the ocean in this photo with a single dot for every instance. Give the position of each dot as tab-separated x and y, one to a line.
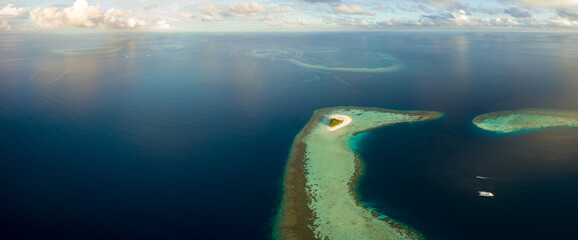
186	135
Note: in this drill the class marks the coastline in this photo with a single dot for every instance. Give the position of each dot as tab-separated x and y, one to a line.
304	213
295	216
526	119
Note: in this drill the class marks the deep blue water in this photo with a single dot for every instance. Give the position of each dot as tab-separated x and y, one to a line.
185	136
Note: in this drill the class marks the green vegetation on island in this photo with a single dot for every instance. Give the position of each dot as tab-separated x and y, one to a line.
334	122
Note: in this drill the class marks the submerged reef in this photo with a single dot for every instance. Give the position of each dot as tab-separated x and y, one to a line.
524	119
319	197
167	47
345	61
87	51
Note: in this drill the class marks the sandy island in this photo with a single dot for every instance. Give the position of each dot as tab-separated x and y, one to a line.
319	197
346	121
524	119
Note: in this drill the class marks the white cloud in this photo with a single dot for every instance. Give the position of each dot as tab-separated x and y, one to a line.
453	13
163	25
10	10
298	22
567	11
446	4
414	8
209	18
84	15
563	22
186	15
361	21
268	19
351	10
348	21
459	19
209	10
4	25
281	9
551	3
503	22
246	8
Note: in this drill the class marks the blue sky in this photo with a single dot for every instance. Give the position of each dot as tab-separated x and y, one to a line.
288	15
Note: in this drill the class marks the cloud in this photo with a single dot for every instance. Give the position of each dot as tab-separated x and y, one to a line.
446	4
281	9
163	25
568	14
81	14
246	8
268	19
150	7
187	15
4	25
562	22
348	21
551	3
322	1
518	12
11	11
361	21
298	22
11	16
351	10
209	10
567	10
415	8
209	18
401	22
459	18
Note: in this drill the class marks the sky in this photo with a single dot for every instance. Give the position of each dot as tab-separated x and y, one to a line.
287	15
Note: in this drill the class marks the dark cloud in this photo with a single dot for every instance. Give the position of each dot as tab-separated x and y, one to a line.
569	14
518	12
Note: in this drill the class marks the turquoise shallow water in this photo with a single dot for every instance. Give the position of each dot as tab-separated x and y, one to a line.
185	136
526	120
331	166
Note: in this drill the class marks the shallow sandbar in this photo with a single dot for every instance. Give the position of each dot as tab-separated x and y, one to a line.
524	119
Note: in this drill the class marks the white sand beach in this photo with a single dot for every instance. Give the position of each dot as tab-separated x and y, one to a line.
346	121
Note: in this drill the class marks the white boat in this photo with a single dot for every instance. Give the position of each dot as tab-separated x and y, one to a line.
485	194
